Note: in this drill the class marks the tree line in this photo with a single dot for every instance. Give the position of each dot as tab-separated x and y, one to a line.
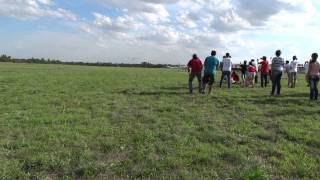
5	58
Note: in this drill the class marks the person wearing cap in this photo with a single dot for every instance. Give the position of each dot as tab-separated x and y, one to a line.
226	69
264	71
195	69
277	70
211	64
293	72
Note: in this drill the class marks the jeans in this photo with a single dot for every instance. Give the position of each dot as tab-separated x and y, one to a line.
256	78
264	79
292	79
314	80
276	82
228	74
191	77
243	76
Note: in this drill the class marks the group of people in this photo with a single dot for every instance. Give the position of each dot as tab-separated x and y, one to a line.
206	72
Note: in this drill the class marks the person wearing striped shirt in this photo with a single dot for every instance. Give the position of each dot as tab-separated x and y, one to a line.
277	70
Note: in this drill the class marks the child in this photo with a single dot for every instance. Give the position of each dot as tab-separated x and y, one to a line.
235	78
252	70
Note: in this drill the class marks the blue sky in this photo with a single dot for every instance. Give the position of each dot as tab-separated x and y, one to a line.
159	31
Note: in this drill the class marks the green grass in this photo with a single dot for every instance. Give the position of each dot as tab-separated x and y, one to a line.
62	122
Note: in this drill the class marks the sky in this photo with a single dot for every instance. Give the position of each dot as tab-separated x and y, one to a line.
158	31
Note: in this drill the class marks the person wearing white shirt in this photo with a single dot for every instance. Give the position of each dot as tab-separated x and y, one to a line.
306	69
293	72
226	69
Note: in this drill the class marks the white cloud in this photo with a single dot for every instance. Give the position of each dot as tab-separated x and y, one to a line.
166	29
33	9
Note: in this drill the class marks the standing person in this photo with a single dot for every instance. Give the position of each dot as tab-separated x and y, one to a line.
293	72
244	71
306	68
313	73
226	70
287	69
195	68
264	71
211	64
313	76
252	74
257	68
277	70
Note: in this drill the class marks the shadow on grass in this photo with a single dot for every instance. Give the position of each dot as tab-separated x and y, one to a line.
152	93
175	88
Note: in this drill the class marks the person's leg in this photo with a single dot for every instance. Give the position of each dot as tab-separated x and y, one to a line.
262	79
242	77
211	80
222	77
312	87
274	82
229	79
279	83
191	77
265	78
204	84
294	79
316	88
199	82
253	80
210	89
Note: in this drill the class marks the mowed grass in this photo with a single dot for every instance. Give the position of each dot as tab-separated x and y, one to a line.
62	122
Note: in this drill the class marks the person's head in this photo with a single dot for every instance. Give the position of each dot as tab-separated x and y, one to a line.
314	57
264	58
213	53
251	63
294	58
278	53
287	62
194	56
228	55
245	62
307	62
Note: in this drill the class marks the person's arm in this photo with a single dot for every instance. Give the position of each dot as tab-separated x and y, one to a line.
201	65
189	67
308	73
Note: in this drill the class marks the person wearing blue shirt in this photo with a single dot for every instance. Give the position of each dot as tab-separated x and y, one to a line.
210	65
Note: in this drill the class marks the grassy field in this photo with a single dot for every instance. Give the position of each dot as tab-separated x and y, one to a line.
93	122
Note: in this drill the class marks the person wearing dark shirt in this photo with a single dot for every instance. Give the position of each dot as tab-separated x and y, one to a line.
194	69
244	71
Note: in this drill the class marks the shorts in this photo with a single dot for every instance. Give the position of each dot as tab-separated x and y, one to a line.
208	79
252	75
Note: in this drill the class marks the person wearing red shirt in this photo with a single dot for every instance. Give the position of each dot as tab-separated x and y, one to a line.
195	69
264	71
252	70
